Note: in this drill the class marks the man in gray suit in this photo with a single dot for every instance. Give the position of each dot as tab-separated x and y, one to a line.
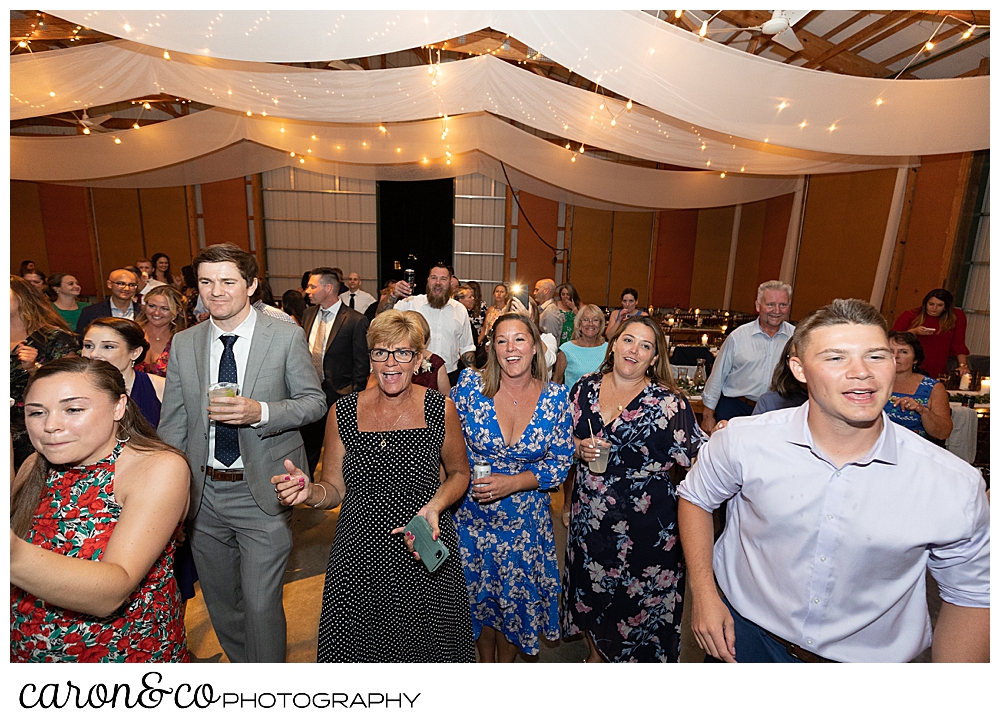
240	535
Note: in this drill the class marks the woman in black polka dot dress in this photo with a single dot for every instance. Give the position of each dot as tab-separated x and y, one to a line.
383	451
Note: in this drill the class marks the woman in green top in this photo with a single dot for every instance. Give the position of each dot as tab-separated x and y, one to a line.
567	301
65	289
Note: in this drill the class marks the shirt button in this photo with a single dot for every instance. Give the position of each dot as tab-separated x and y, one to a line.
822	559
816	600
809	641
829	517
837	474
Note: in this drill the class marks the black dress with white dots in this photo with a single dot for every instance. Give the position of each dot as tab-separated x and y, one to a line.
379	604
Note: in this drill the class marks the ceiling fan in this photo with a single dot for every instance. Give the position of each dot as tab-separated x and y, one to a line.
88	124
779	27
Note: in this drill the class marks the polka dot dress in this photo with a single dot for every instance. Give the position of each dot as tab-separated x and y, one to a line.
379	604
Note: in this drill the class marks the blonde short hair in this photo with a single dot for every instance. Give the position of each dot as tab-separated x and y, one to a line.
395	327
588	309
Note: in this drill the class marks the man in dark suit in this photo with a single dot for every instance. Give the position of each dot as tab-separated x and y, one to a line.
337	342
240	534
123	284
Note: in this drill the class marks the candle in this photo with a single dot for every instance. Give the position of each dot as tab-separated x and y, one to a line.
984	385
704	339
697	311
670	321
724	327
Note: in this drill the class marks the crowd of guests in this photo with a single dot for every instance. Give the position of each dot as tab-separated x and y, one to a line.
164	434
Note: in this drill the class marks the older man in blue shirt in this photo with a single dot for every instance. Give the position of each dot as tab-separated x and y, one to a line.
742	372
835	514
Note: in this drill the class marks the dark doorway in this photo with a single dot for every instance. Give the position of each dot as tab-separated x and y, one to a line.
416	227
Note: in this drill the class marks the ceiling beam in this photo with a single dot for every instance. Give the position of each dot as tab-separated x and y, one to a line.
945	53
910	52
846	24
976	17
887	33
859	37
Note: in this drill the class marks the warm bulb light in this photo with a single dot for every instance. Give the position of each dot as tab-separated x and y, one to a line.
128	28
118	141
292	154
968	33
879	102
147	106
86	131
722	175
678	13
314	137
703	30
803	124
601	106
782	105
381	128
573	159
22	44
628	106
581	148
832	128
399	150
364	144
302	160
742	169
929	46
614	121
166	55
282	129
136	125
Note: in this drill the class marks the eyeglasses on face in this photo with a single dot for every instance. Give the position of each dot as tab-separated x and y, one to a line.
402	356
125	285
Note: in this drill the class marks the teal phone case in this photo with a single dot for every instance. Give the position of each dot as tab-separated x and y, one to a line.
432	552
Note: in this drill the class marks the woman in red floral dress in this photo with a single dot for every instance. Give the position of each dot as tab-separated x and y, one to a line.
94	514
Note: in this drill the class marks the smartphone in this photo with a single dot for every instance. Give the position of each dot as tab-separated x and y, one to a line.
521	293
432	552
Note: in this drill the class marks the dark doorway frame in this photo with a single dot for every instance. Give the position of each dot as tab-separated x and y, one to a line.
415	227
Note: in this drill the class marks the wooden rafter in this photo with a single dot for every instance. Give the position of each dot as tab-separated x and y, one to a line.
944	54
887	33
910	52
859	37
846	24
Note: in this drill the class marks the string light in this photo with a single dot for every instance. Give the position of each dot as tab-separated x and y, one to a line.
703	30
968	33
136	125
292	154
803	124
928	46
364	144
118	141
628	105
677	14
832	128
573	159
783	105
722	175
147	106
282	129
381	128
302	160
581	148
23	44
249	113
614	121
314	137
86	131
166	55
879	101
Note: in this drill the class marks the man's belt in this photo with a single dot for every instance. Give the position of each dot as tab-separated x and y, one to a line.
798	652
224	475
745	400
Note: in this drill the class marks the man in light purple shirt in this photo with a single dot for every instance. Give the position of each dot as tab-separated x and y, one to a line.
834	516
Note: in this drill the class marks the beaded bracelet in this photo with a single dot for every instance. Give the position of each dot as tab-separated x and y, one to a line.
322	487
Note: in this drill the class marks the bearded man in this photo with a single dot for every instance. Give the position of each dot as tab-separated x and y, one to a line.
451	332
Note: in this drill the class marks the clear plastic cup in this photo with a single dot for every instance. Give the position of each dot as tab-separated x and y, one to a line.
223	389
600	465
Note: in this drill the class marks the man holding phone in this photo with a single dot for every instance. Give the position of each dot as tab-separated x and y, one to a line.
451	332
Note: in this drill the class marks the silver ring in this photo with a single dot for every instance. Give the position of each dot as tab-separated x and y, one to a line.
491	495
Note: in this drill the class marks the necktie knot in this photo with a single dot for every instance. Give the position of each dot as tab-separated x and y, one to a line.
229	340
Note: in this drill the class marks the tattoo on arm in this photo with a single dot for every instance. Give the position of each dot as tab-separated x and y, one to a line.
469	359
385	304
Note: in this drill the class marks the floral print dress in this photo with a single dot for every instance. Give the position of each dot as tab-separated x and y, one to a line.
75	518
508	549
624	567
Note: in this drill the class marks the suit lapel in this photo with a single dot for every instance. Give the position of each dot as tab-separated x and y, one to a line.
202	355
337	323
259	344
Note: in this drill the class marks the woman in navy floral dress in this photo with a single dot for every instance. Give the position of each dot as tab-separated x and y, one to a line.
624	566
519	423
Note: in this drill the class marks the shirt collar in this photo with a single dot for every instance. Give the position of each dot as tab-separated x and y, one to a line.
333	308
245	329
884	449
783	330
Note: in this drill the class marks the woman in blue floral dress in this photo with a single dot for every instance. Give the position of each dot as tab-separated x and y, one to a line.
519	423
624	567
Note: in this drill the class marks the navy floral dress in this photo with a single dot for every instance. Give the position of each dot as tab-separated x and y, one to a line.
508	550
624	567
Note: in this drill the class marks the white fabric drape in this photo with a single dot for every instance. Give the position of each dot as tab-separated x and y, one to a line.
703	83
105	73
214	145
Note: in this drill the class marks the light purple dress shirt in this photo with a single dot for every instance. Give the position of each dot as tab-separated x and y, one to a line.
834	559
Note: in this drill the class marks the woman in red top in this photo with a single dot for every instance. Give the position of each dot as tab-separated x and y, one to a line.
941	328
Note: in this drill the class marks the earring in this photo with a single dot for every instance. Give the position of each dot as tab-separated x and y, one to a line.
122	441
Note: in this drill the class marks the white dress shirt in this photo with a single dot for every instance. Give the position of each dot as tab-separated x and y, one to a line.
451	332
129	313
362	300
331	314
241	350
834	559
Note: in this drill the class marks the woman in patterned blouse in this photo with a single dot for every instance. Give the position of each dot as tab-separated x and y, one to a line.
161	317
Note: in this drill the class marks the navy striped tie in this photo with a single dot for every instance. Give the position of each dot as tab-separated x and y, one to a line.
227	437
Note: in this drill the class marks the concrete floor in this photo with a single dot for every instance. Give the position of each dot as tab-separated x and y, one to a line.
312	533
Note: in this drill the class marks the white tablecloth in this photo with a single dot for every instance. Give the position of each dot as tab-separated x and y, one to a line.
962	441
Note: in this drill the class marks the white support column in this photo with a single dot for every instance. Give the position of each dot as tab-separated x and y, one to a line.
790	256
889	239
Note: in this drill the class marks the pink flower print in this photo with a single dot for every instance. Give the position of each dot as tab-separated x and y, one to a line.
629	414
639	619
581	608
623	629
643	504
651	571
634	589
669	544
680	436
620	527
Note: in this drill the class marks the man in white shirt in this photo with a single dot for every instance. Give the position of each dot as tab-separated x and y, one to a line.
451	331
239	532
355	297
835	516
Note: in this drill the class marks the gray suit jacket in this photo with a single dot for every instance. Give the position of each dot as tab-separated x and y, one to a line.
279	371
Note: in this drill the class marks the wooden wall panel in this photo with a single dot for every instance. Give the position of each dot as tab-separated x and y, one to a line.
748	248
711	257
590	256
931	228
27	230
224	210
165	225
772	246
630	249
842	234
119	228
67	234
675	244
534	258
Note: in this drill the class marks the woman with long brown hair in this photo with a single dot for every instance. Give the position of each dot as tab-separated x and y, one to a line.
64	292
516	421
37	335
161	317
93	518
624	568
940	325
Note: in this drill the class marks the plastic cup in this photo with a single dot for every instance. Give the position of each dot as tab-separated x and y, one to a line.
223	389
600	465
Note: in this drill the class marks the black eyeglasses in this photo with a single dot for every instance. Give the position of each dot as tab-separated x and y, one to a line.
125	285
402	356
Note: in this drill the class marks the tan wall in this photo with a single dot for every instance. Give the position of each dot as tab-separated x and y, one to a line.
842	235
711	257
748	247
224	211
591	254
118	222
27	232
631	238
676	238
165	225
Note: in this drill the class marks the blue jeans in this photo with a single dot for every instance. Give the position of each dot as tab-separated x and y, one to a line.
753	644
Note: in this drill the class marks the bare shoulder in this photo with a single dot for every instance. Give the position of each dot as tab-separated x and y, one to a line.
139	467
158	383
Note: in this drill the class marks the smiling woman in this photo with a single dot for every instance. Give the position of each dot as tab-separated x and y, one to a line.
161	317
94	582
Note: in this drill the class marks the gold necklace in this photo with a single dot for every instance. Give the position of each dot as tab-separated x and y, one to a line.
618	398
391	428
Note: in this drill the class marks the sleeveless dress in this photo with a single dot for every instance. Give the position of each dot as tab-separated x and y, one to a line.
157	366
906	418
429	378
144	395
380	605
75	518
624	576
581	360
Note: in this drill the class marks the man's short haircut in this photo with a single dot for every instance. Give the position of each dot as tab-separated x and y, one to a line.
773	286
838	311
441	265
220	253
327	275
